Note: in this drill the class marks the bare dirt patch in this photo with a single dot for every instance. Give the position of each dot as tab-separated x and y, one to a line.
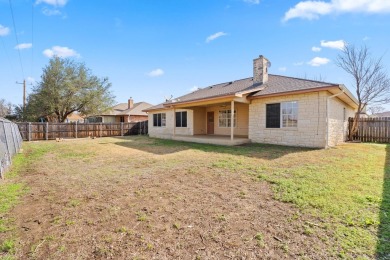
95	199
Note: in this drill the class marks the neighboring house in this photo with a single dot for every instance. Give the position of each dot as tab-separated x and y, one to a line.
267	109
383	114
74	117
123	112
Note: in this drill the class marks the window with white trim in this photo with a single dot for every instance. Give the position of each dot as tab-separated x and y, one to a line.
290	114
159	120
181	119
224	118
281	115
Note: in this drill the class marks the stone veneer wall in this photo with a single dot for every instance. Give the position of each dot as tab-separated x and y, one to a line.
167	131
311	130
339	113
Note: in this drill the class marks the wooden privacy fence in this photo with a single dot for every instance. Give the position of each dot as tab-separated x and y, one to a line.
50	131
376	129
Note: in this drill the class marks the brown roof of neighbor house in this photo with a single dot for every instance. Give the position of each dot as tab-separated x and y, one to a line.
122	109
75	116
275	84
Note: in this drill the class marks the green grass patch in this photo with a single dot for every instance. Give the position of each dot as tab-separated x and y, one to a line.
345	189
12	189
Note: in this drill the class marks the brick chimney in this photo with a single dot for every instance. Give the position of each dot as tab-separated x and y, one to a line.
260	70
130	103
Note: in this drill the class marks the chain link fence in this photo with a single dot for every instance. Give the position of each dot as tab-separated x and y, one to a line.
10	143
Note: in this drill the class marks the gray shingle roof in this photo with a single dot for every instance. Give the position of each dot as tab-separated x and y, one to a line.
275	84
280	84
122	109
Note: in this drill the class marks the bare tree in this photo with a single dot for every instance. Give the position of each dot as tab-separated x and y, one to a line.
5	108
375	109
371	81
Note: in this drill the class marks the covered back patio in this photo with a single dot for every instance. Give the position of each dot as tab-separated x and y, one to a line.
221	122
213	139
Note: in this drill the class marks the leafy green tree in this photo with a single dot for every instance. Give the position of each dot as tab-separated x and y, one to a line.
67	86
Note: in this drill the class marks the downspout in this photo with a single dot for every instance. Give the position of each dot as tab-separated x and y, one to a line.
327	115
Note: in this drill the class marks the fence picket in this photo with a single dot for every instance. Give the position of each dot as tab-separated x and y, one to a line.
375	129
49	131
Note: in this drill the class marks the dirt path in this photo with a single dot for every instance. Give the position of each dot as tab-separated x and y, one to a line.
112	202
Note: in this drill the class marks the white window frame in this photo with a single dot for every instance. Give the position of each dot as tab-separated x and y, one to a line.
227	112
163	120
289	109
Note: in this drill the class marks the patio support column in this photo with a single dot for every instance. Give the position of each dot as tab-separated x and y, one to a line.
174	122
232	120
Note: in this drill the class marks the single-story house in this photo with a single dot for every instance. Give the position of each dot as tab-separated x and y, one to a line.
74	117
123	112
264	108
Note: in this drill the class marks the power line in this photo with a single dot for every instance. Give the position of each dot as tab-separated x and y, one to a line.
32	37
16	37
8	58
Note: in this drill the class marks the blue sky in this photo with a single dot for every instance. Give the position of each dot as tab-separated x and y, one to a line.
151	49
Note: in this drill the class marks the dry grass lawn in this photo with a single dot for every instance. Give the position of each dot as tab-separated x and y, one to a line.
141	198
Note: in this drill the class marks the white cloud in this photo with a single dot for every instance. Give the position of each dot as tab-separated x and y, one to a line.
298	63
340	44
366	38
317	61
194	88
255	2
52	2
30	80
156	73
314	9
51	12
315	49
215	36
4	30
59	51
23	46
282	69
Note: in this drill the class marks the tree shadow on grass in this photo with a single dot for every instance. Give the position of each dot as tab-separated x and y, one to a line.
383	248
163	146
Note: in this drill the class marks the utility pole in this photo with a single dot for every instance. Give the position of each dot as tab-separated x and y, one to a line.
24	93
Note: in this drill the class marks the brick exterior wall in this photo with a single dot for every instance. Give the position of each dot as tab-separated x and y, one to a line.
138	118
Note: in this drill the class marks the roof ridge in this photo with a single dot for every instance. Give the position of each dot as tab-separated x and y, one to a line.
226	82
311	80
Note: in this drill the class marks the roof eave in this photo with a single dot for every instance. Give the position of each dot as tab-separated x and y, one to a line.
168	105
301	91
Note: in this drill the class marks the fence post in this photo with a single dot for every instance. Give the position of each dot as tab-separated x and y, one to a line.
5	135
76	129
121	128
47	131
13	137
29	132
